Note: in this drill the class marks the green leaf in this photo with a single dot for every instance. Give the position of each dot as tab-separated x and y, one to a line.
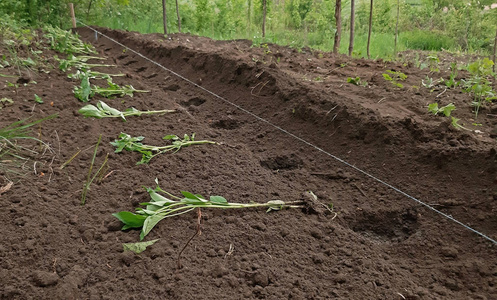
433	108
130	220
218	199
447	110
38	99
149	224
91	111
138	247
170	137
157	197
189	195
387	77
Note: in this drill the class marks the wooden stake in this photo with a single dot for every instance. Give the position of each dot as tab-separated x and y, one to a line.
338	32
396	29
264	18
370	27
164	16
495	51
179	18
352	25
73	17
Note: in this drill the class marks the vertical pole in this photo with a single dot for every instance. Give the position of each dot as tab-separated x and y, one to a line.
396	29
370	27
164	15
249	18
495	51
179	18
352	25
338	19
264	19
73	17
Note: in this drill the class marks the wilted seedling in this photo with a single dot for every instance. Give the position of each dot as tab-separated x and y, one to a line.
5	102
102	110
79	75
129	143
456	125
85	91
161	207
66	42
13	143
80	63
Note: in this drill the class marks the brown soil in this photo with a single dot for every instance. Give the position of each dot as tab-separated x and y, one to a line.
381	245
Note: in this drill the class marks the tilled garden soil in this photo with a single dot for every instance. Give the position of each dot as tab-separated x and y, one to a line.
376	244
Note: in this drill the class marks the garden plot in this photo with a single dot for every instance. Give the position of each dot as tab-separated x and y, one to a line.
350	238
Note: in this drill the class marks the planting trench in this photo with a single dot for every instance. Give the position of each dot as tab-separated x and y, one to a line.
381	245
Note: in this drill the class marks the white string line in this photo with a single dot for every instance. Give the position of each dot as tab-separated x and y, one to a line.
298	138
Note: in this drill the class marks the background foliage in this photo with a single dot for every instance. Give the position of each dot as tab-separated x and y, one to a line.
456	25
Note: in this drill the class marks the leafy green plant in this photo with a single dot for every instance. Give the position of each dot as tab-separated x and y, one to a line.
102	110
433	62
129	143
161	207
479	85
451	82
394	77
445	110
357	81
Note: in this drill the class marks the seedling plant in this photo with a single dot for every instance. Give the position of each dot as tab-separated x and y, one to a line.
102	110
451	82
357	81
394	77
129	143
479	85
165	205
445	110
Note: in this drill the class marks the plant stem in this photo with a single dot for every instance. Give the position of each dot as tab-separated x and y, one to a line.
86	187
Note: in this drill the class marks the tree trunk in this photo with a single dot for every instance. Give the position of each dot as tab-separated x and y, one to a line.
164	15
88	11
495	50
352	25
396	29
179	18
264	19
370	27
338	32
